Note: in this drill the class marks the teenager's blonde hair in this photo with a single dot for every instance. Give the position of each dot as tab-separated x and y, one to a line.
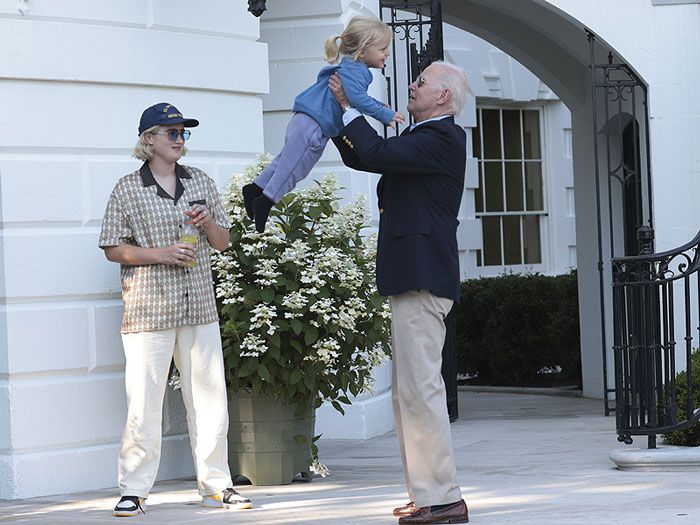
143	150
362	32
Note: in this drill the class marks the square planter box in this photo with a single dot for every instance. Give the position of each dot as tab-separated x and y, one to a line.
261	443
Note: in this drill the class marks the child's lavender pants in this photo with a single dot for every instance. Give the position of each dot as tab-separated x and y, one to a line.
304	143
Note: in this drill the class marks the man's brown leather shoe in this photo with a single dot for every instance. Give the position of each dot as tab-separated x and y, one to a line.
405	510
455	513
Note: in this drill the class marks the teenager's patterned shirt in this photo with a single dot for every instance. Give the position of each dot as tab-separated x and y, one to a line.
139	212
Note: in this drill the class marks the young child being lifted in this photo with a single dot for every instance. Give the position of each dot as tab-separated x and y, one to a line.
318	116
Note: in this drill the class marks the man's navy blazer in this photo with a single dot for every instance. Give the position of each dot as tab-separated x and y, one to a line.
419	196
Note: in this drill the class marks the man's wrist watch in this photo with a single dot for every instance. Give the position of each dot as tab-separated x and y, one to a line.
346	107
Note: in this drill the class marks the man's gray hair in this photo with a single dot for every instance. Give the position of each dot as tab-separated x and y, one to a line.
454	79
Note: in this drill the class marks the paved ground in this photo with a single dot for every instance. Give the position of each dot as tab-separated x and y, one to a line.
522	459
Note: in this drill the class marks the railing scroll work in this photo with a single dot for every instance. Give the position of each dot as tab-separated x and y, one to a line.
655	297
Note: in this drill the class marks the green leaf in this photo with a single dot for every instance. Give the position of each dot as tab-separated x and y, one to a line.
248	367
311	335
274	352
275	340
253	295
265	373
337	406
267	294
315	212
309	381
296	326
301	439
295	377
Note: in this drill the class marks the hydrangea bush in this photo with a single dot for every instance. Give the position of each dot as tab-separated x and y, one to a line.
300	315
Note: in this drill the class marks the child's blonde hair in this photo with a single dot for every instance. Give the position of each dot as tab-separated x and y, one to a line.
362	32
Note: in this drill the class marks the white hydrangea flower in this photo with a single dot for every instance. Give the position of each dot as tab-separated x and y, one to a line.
295	300
252	346
325	309
299	252
267	272
325	351
311	276
319	468
263	316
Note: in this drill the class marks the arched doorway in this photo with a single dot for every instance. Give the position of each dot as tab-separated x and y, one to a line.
556	47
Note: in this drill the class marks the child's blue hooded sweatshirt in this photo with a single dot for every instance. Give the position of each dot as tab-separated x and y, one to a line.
319	103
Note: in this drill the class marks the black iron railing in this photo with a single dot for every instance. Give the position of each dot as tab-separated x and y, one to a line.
656	302
417	42
622	166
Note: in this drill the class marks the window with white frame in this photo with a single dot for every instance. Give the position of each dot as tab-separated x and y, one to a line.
510	198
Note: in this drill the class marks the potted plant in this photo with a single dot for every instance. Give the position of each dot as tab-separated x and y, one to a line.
301	322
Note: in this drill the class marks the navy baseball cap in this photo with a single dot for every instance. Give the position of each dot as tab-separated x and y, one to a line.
163	114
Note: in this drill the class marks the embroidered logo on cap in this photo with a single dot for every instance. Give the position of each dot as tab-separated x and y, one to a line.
167	107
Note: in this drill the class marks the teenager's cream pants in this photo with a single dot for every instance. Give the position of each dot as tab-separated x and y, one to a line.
198	356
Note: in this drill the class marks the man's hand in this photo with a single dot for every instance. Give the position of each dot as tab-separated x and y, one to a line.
336	87
398	118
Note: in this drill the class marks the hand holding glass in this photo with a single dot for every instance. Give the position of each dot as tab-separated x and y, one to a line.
189	234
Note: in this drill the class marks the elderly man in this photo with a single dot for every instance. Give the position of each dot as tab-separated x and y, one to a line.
418	269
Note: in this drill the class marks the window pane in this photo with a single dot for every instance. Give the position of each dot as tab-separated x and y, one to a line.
479	192
533	186
492	133
493	185
478	258
491	229
511	239
514	186
476	138
511	133
531	236
531	134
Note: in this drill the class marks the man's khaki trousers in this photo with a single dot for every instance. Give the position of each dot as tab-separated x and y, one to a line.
197	353
419	399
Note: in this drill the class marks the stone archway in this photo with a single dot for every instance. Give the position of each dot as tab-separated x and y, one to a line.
554	46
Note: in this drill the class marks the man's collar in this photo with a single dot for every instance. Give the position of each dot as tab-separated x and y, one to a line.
148	179
440	117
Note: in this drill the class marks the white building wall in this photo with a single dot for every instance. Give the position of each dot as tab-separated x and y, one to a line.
668	58
74	79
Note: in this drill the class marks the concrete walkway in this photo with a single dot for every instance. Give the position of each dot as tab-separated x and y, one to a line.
522	459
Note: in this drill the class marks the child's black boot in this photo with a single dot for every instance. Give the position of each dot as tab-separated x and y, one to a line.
250	192
261	210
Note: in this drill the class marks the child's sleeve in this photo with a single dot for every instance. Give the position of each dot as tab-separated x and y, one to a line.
355	83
